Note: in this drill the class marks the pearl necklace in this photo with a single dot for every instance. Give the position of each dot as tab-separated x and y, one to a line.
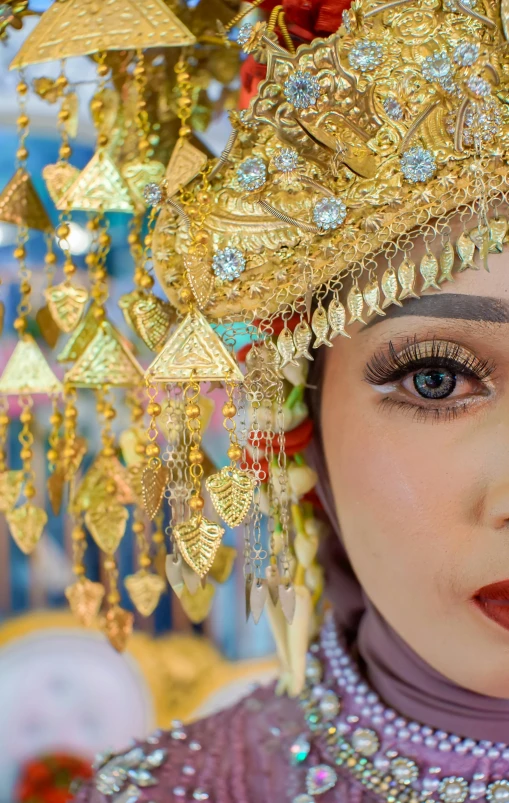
395	759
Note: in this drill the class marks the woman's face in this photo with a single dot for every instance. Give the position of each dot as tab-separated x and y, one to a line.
415	416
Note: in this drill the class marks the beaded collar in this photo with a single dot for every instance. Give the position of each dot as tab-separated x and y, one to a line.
394	759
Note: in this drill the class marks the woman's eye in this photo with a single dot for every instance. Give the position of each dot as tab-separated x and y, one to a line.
440	383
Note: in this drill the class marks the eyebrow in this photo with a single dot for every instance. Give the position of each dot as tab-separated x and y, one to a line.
453	306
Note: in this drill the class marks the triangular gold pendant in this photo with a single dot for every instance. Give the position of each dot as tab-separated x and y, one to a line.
194	351
139	174
105	361
28	372
99	187
82	27
21	205
80	338
185	163
59	177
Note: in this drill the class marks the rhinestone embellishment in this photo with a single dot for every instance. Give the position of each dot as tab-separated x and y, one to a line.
320	779
365	55
329	705
347	20
365	741
437	67
498	792
228	263
244	33
453	790
313	670
466	54
153	194
404	770
252	174
299	750
303	799
393	109
418	164
286	160
329	213
302	89
479	86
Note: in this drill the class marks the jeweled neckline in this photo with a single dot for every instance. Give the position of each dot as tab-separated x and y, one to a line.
399	761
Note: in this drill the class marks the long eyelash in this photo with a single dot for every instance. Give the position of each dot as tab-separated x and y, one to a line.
390	366
424	413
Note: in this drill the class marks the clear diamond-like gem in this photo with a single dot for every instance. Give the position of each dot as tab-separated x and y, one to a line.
365	741
320	779
244	33
329	213
365	55
153	194
393	108
252	174
303	799
436	67
228	263
466	54
453	790
418	164
313	669
200	794
299	750
302	89
479	86
346	20
329	705
404	770
142	778
498	792
156	758
286	160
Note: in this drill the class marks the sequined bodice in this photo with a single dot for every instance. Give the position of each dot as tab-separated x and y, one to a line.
337	743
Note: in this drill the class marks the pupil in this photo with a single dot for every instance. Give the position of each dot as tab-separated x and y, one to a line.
434	383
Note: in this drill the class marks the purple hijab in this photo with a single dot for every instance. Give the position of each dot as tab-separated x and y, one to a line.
403	679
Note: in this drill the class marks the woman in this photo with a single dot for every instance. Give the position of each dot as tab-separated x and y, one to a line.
407	687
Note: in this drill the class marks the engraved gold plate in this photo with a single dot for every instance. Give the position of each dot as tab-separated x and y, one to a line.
26	524
185	163
153	483
139	174
82	27
80	338
145	590
117	625
93	484
149	316
85	599
195	351
58	178
231	491
21	205
222	567
198	540
106	360
99	187
10	488
201	278
197	606
106	524
28	372
66	302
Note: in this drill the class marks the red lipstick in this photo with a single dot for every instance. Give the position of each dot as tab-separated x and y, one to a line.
493	601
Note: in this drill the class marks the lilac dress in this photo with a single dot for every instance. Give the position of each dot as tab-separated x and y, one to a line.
336	743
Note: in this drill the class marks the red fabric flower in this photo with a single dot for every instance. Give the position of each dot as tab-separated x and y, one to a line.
47	779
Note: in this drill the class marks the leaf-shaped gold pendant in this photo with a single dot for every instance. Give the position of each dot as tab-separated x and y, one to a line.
117	625
231	491
107	524
145	590
149	316
10	489
66	303
198	540
85	599
198	605
153	483
223	563
26	524
201	278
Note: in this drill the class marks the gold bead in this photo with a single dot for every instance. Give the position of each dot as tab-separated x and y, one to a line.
113	598
202	237
70	413
192	410
78	569
22	88
104	239
144	144
184	103
229	409
102	70
139	448
19	252
138	527
65	151
196	457
110	413
96	105
132	238
93	223
154	409
78	534
52	455
152	450
25	287
234	452
4	420
108	451
144	561
184	131
50	258
63	115
109	564
69	268
26	453
158	537
186	295
99	313
61	82
20	325
111	487
193	211
204	197
26	417
23	120
30	490
196	503
63	231
55	419
22	154
102	140
146	281
147	241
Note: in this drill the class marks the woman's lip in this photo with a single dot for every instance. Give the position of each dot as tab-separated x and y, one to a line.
493	602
